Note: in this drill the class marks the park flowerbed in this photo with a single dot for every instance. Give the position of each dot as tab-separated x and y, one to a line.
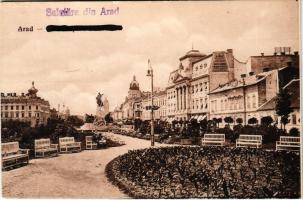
214	172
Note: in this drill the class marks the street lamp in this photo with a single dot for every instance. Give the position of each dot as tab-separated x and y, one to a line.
151	74
244	97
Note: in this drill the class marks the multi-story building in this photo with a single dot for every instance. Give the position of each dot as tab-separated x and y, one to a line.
252	97
129	108
25	107
117	114
189	85
212	86
159	101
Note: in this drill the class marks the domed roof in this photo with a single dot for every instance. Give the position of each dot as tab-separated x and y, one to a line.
134	85
32	91
194	53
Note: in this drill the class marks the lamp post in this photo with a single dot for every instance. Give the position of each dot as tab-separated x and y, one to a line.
244	97
151	74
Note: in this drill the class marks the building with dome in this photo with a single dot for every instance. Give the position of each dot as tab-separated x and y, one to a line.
25	107
130	108
134	105
189	85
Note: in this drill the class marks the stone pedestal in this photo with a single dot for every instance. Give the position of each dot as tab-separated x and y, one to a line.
100	114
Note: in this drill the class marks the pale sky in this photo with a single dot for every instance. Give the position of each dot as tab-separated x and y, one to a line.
71	68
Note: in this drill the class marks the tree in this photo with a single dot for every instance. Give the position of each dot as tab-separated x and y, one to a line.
211	125
284	121
283	106
137	123
228	120
239	120
74	121
203	124
253	120
195	127
108	118
174	123
294	132
215	121
266	121
89	118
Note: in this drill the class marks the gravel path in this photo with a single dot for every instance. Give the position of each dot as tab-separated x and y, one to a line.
78	175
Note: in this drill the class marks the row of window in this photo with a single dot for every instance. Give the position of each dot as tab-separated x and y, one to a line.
160	102
199	87
201	66
199	104
171	94
199	70
17	107
233	104
157	114
17	115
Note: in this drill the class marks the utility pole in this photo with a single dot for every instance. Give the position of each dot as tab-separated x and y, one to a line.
151	74
244	97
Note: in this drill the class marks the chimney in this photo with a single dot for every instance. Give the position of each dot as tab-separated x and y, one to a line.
262	54
251	73
296	53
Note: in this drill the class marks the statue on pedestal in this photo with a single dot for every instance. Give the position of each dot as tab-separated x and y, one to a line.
102	109
99	100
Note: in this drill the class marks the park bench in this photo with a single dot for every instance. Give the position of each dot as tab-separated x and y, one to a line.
68	144
43	147
289	143
249	141
213	139
89	144
12	155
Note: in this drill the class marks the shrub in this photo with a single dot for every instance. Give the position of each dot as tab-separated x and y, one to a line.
253	121
239	120
248	130
270	133
228	120
229	134
203	124
266	121
294	132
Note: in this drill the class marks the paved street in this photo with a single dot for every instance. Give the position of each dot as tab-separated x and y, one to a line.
79	175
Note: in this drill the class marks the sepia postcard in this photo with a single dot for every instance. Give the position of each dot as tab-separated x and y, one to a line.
150	100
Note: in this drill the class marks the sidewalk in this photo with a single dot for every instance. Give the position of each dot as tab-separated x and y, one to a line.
79	175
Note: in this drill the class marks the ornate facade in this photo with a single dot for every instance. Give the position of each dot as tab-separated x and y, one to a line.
130	108
197	75
25	107
211	86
